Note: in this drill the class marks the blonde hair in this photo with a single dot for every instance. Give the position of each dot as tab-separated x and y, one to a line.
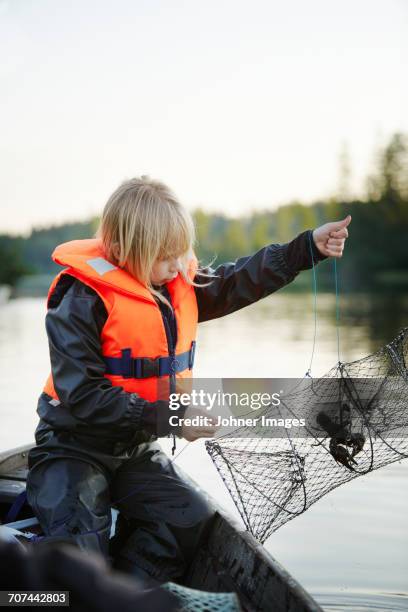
143	222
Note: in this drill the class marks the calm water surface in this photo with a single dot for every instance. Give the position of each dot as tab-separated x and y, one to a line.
350	550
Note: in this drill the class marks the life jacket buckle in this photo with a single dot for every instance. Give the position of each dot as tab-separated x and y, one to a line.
149	367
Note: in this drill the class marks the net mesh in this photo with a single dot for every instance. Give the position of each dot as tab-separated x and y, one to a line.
356	421
191	600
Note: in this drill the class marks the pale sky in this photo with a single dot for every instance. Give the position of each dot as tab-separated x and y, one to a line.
236	105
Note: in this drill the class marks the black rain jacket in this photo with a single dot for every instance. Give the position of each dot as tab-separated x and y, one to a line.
90	404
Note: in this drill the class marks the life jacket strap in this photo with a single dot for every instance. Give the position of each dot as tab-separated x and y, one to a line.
16	506
144	367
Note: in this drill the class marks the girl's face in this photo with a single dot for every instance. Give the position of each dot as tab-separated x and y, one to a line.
165	270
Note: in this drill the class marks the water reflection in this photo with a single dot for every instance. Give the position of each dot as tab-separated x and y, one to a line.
275	337
382	315
351	544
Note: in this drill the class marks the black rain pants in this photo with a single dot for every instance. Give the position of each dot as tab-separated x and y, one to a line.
74	480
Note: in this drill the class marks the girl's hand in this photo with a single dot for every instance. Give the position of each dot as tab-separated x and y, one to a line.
206	427
330	237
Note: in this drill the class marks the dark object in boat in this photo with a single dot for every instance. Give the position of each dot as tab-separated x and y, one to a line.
231	559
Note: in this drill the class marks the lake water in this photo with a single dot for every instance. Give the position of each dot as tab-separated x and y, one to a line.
349	550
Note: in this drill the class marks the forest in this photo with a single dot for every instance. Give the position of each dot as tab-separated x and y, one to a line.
377	251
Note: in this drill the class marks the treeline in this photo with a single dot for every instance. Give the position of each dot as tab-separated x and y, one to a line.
32	255
377	252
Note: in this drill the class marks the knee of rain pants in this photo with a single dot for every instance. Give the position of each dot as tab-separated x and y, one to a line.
70	497
163	516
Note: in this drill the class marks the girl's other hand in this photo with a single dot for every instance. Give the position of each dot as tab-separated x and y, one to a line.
205	426
331	237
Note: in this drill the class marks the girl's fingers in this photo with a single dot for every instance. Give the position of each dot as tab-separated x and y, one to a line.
334	248
335	242
206	429
334	245
332	253
342	233
205	433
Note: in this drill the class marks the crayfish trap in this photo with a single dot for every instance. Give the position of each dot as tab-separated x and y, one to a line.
356	421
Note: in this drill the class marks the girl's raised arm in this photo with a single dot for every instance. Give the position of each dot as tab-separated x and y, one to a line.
256	276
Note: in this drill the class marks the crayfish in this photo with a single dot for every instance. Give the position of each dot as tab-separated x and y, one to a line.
339	448
344	445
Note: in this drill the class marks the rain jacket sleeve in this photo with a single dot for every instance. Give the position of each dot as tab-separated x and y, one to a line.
74	326
248	279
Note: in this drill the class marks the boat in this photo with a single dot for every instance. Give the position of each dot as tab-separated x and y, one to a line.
231	559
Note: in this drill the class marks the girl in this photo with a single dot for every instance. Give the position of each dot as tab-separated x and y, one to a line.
122	317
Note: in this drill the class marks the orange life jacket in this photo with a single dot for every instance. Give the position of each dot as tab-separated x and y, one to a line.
134	340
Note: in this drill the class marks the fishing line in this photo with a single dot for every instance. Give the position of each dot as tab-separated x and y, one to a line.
314	278
336	285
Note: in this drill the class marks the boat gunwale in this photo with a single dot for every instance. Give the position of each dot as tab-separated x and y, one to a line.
299	600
